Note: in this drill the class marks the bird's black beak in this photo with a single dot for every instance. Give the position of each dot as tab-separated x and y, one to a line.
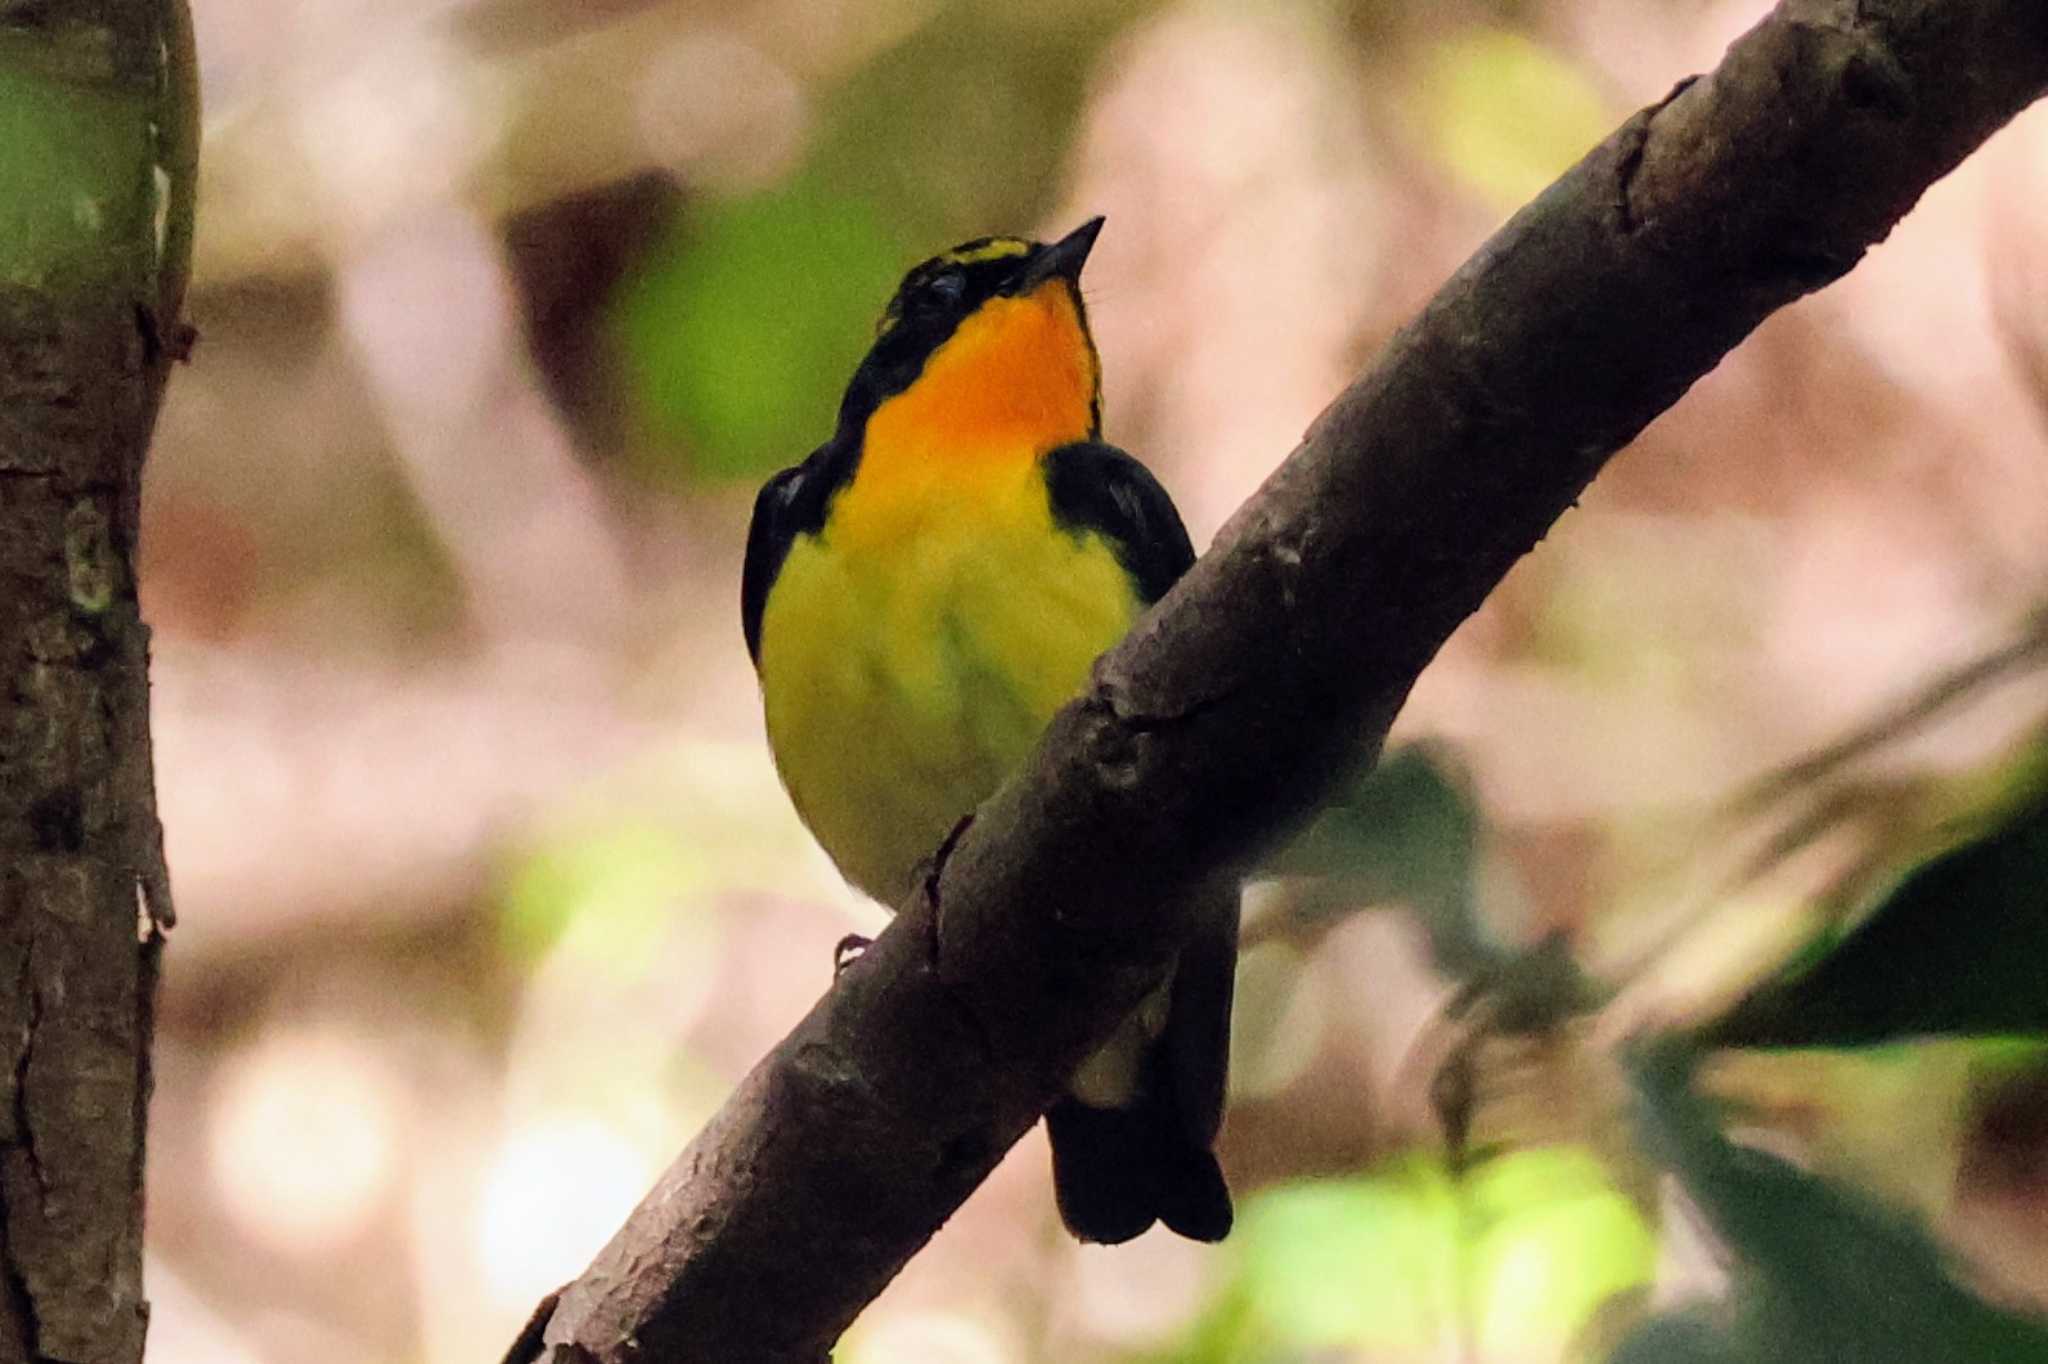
1065	257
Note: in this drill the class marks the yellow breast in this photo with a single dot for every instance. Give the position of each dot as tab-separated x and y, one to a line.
912	653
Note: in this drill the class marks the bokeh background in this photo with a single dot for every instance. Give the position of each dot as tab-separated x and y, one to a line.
487	891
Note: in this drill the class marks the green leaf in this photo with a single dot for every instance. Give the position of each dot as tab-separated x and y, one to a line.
1820	1272
1959	946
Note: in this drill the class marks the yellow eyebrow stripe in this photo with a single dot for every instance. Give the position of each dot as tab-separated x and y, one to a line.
997	248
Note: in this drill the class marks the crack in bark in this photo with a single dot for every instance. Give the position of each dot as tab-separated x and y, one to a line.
1873	81
934	947
1142	722
962	1008
15	1284
1635	142
23	1115
12	1276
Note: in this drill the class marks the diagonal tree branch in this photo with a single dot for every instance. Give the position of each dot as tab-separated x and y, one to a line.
1212	731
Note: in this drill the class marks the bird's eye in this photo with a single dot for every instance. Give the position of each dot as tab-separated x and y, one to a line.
947	287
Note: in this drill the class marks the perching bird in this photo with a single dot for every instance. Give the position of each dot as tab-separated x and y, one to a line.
922	593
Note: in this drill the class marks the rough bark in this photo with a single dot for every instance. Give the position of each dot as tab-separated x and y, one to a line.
96	139
1284	654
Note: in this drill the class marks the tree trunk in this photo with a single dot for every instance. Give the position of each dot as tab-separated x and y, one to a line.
97	140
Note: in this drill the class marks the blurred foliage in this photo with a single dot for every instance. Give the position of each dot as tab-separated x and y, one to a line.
742	322
1957	947
1406	832
741	326
980	85
1516	1255
1506	114
1409	832
1819	1271
1953	947
608	892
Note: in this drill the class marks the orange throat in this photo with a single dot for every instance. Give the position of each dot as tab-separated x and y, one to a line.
1016	380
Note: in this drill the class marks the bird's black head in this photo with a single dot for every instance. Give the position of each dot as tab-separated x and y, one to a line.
941	293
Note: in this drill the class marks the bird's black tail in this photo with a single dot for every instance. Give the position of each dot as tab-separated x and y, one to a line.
1119	1170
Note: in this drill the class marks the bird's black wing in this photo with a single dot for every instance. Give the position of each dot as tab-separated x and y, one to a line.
769	536
790	504
1100	488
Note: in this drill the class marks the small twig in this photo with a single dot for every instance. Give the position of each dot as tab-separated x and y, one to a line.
2027	649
